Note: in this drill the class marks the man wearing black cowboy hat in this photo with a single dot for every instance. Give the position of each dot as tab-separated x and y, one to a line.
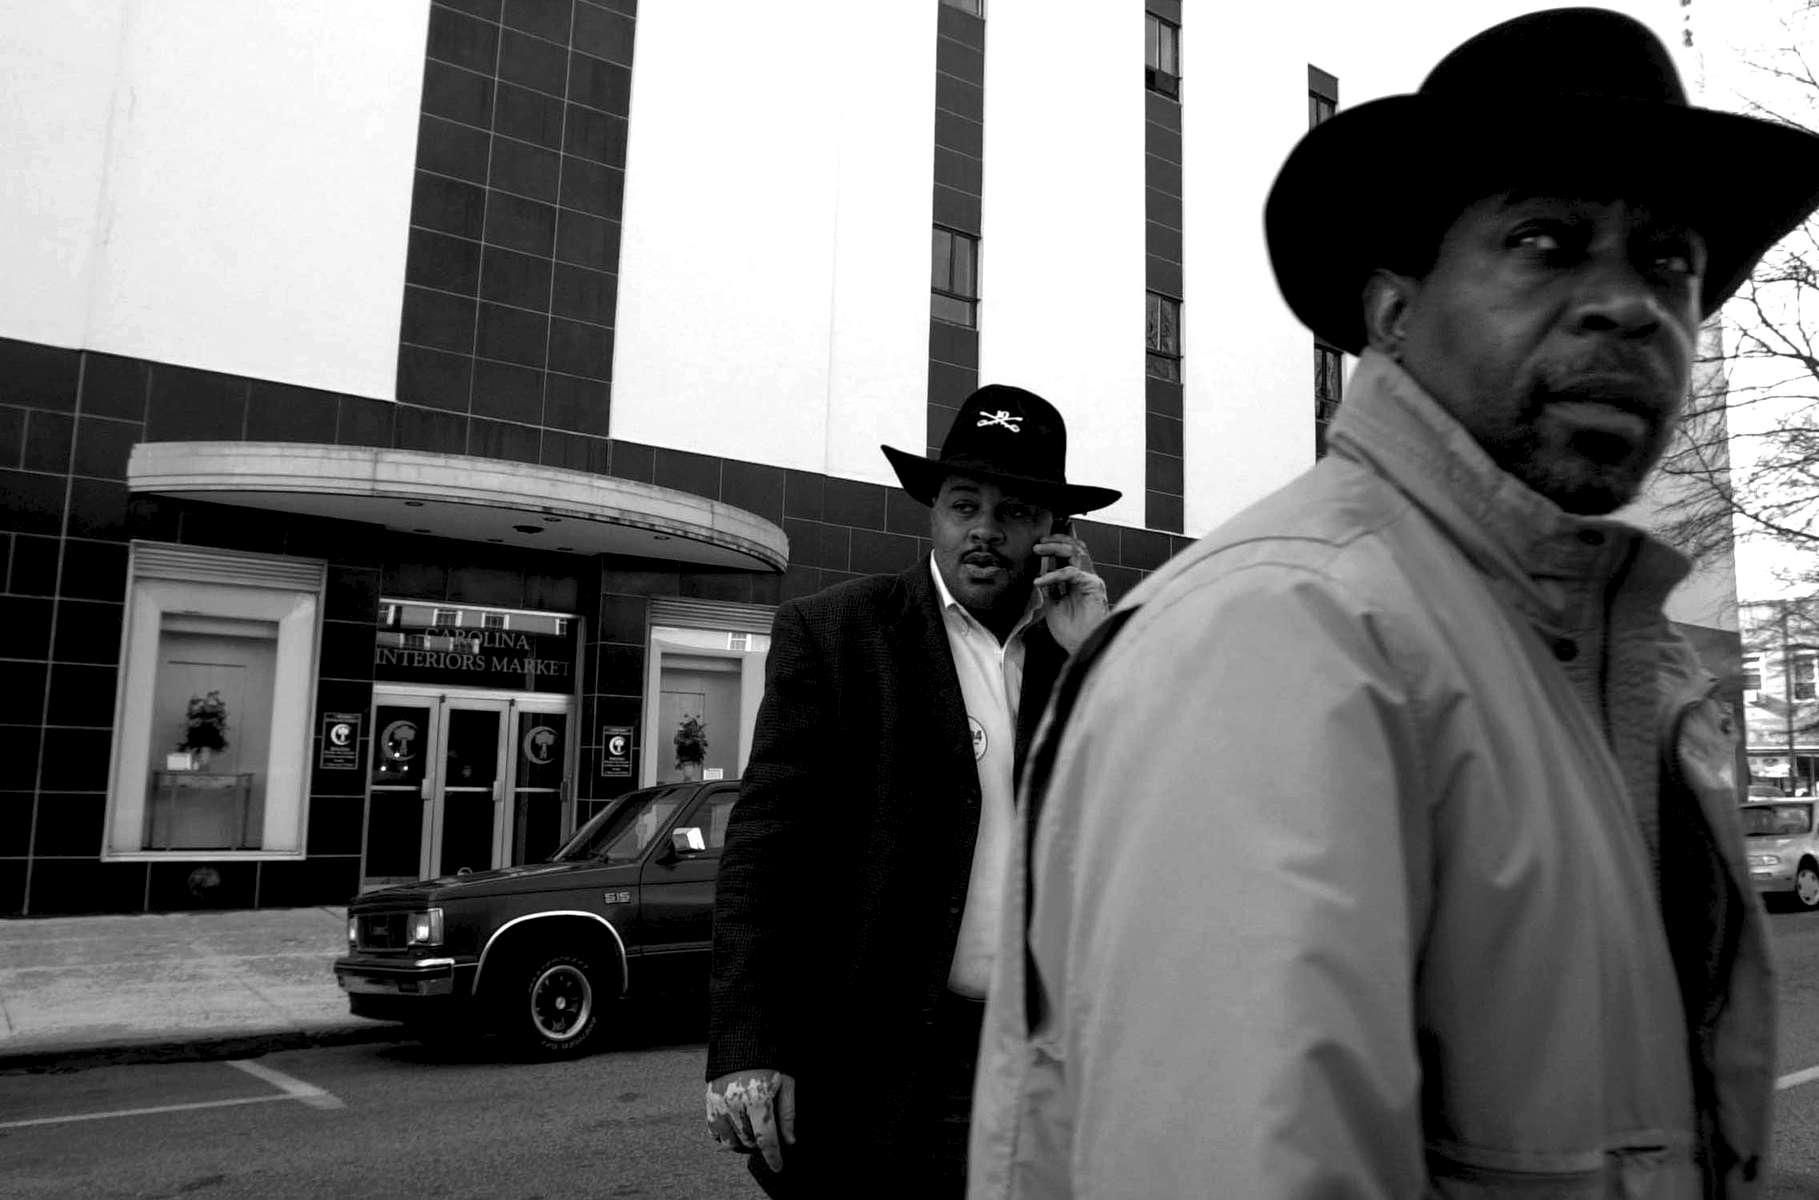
1385	843
856	905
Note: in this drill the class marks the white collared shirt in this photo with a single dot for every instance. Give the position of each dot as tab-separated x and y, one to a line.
991	683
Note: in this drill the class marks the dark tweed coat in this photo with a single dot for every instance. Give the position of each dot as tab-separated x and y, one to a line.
848	855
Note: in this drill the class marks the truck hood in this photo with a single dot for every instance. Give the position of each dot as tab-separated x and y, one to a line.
531	877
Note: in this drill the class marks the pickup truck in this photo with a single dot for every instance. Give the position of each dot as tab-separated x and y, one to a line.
538	952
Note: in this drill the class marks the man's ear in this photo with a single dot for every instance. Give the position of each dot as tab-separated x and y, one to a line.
1387	299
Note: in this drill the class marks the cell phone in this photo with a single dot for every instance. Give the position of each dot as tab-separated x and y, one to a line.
1053	592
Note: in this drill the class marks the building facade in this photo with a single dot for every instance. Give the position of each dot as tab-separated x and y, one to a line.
410	414
1780	685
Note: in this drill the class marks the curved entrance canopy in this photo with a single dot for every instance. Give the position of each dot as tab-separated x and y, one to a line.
458	496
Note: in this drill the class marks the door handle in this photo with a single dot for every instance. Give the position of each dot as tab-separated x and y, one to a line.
428	788
498	790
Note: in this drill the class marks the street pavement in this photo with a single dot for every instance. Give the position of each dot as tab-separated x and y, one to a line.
95	1012
164	985
457	1121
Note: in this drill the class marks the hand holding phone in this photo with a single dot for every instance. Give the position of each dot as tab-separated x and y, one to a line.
1076	603
1054	593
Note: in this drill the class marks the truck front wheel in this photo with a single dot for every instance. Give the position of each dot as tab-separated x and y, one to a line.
554	1010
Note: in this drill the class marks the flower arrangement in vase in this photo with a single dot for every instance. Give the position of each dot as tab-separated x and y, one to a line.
691	746
205	728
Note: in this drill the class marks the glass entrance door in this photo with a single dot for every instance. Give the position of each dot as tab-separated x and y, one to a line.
404	736
465	781
469	794
539	811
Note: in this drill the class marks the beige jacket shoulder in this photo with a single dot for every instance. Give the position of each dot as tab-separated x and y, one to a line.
1338	887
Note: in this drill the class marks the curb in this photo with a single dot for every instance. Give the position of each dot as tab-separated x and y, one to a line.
61	1059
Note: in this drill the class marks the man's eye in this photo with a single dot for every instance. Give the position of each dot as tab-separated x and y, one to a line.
1674	262
1016	512
1538	240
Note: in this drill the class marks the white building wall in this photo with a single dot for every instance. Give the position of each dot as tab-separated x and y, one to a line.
214	184
1248	408
59	63
774	265
227	185
1061	258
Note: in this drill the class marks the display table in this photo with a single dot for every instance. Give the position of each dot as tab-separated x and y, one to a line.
198	810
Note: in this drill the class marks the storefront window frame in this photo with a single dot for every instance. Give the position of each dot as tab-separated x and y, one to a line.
164	577
726	618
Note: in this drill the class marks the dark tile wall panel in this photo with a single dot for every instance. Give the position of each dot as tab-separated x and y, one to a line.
1164	219
512	266
953	350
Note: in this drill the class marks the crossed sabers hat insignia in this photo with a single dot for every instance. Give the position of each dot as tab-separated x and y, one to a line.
1001	417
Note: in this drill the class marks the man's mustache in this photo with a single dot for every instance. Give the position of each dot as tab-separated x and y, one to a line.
1629	380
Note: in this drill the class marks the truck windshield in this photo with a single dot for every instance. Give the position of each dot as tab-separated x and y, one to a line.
623	832
1761	820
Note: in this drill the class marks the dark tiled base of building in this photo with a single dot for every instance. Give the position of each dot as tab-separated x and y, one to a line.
69	419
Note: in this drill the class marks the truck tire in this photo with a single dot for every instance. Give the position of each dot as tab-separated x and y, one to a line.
552	1009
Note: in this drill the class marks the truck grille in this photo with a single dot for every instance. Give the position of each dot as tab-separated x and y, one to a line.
382	931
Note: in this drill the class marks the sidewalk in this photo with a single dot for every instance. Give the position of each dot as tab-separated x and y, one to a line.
165	986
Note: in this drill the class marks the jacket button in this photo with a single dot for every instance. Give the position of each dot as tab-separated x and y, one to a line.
1566	649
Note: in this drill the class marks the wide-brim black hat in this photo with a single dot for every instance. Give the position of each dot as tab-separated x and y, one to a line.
1006	436
1570	96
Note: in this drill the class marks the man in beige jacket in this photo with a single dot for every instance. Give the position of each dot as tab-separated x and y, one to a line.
1384	843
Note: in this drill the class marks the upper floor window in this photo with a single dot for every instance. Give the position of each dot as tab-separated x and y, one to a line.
1162	55
494	620
1329	390
1805	675
955	278
1752	672
1163	334
1322	95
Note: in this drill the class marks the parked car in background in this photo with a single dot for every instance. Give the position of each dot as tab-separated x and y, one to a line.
1782	849
539	952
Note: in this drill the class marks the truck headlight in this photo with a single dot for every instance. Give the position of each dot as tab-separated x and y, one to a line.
424	928
1765	860
353	934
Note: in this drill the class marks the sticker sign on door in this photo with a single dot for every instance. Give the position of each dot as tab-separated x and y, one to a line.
340	741
615	751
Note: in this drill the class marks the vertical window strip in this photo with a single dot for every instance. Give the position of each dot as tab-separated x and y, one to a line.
1163	337
1161	55
954	277
1329	363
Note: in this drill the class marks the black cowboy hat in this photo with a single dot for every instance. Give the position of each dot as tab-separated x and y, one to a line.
1010	437
1570	95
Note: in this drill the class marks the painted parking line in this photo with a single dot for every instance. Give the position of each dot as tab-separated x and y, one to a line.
1810	1075
140	1112
289	1088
